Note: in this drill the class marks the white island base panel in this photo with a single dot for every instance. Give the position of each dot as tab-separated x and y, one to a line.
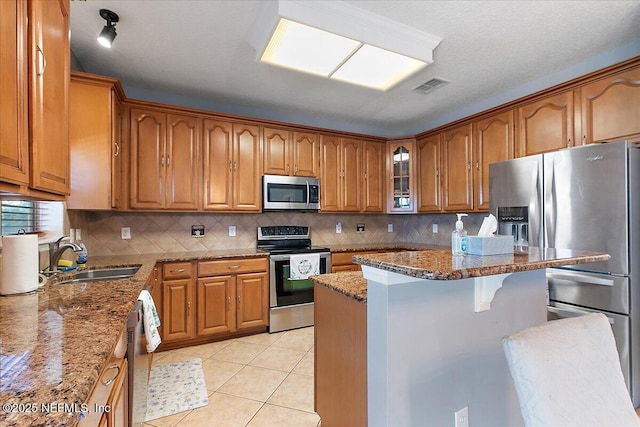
433	348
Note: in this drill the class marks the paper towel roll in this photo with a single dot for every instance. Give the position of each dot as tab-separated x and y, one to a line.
19	264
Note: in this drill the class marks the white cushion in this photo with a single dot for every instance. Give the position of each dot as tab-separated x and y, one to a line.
567	373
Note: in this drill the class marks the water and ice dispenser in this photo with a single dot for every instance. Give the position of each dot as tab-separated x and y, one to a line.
514	221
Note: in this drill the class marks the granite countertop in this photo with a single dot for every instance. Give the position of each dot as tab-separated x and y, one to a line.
439	264
55	342
402	246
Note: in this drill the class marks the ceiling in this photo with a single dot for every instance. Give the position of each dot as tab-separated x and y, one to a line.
196	53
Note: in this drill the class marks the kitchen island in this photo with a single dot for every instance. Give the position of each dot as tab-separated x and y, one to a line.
418	335
54	343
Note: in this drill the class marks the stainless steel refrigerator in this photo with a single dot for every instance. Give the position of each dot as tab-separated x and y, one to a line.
585	198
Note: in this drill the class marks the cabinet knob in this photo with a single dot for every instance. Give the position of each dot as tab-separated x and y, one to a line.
584	139
478	165
238	301
188	307
168	160
468	166
235	166
230	165
162	161
228	303
568	142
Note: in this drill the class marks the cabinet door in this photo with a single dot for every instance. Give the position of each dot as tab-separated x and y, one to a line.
177	305
456	169
14	149
305	154
493	143
330	173
611	108
401	172
147	158
49	95
116	151
118	415
545	125
252	300
216	305
351	183
247	168
373	176
276	151
218	164
182	162
429	186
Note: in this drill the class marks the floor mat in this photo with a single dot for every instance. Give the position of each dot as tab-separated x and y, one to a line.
176	387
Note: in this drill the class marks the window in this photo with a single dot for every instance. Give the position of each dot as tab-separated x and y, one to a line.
20	215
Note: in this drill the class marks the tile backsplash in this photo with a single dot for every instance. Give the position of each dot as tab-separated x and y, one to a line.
162	232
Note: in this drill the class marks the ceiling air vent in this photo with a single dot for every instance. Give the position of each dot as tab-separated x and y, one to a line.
431	85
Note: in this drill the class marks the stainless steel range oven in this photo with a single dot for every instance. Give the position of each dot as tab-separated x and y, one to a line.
290	297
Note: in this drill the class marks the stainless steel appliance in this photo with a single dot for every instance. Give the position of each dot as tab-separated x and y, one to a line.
138	361
290	301
585	198
290	193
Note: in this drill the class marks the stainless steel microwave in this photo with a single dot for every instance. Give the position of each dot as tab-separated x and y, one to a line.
281	193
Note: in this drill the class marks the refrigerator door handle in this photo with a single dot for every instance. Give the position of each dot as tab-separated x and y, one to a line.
534	208
582	278
550	206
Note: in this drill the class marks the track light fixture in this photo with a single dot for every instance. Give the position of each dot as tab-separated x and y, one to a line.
108	33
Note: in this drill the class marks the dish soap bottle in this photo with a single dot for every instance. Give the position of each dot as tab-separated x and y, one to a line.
459	237
82	255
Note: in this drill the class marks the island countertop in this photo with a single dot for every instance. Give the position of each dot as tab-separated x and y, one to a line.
55	342
439	264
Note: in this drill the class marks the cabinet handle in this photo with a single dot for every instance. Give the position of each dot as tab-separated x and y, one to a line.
437	172
468	166
230	164
44	61
584	139
117	146
168	160
478	165
235	166
228	303
287	167
188	308
568	142
110	380
162	161
295	168
365	176
177	271
238	301
233	267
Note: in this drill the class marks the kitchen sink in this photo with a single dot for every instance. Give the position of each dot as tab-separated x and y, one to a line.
115	273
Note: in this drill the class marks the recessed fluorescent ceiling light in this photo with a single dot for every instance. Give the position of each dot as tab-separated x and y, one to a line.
308	49
337	40
377	68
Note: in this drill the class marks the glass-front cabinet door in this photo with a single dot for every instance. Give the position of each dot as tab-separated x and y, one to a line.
401	172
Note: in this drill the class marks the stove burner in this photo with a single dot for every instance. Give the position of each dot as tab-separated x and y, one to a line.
286	239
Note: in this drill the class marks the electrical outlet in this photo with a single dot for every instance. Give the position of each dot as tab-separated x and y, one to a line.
338	227
232	231
462	417
390	228
359	228
434	228
126	233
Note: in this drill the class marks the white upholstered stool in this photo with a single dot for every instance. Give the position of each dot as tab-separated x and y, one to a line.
567	373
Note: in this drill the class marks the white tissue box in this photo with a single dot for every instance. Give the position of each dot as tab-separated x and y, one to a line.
489	245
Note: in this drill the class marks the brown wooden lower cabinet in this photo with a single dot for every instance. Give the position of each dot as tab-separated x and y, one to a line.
340	359
209	300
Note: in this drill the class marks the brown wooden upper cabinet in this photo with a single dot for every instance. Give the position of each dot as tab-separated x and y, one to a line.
428	152
165	160
292	153
493	143
611	108
340	174
457	176
546	125
373	155
95	141
34	106
401	190
14	149
49	95
232	166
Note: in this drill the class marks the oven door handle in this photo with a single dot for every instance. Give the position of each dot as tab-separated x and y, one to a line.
308	194
286	257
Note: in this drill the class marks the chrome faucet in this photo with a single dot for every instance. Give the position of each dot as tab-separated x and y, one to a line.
55	252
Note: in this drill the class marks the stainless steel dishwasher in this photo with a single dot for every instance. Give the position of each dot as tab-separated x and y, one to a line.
138	360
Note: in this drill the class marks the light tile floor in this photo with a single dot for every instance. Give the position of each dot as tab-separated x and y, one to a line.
256	381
